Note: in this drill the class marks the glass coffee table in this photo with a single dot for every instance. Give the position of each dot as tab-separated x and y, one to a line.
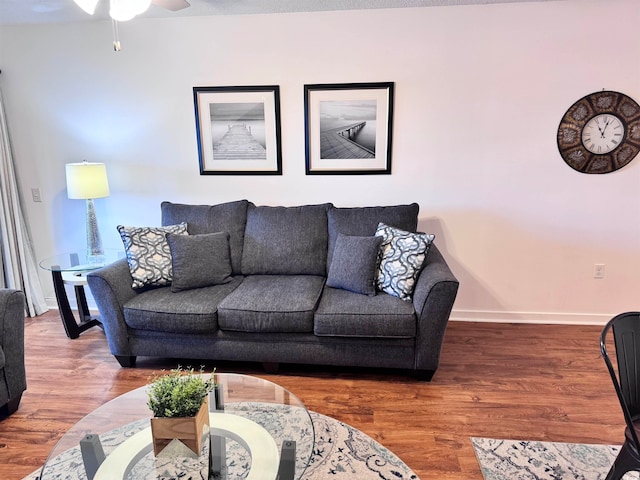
262	431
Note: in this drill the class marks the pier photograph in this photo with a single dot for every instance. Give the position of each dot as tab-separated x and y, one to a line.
348	128
238	130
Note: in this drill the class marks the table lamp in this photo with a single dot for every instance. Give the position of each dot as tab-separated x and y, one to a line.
87	181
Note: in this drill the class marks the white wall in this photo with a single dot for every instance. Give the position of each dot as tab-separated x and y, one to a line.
480	91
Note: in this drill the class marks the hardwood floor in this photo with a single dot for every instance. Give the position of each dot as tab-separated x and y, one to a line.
535	382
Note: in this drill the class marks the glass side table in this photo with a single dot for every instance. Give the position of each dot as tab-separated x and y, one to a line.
72	269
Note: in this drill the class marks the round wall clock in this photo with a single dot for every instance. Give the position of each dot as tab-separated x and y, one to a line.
600	133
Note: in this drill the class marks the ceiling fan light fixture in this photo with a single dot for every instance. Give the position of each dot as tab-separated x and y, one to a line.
88	6
123	10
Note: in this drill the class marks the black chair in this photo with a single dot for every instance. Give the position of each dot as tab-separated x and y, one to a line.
626	339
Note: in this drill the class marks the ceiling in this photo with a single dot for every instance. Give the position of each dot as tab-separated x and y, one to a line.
52	11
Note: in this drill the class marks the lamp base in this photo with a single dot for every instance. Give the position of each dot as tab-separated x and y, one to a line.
95	252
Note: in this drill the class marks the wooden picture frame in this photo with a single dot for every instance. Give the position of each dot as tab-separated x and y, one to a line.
238	130
348	128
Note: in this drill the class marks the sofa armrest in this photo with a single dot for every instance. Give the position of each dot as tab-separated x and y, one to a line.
433	299
111	289
12	308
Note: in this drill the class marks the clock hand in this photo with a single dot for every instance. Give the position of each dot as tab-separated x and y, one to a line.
604	129
605	126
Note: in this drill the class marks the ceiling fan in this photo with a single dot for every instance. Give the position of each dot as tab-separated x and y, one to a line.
123	10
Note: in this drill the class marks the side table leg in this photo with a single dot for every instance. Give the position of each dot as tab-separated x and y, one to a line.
71	327
81	300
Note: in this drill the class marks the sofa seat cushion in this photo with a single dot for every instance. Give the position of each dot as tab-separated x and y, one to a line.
346	314
272	303
2	358
188	311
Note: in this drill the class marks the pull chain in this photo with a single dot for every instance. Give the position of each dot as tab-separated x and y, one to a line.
116	35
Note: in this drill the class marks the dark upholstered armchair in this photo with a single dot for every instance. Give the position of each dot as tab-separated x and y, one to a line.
12	373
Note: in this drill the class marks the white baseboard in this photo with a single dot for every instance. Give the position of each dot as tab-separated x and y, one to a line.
52	303
531	317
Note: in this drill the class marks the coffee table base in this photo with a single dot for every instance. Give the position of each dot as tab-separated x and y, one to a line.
266	461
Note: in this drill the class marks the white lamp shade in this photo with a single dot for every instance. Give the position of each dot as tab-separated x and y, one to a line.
123	10
87	180
88	6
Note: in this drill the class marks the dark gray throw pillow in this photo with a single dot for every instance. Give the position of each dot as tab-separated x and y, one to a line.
199	260
354	264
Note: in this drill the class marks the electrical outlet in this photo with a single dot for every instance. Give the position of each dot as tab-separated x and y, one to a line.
35	194
598	270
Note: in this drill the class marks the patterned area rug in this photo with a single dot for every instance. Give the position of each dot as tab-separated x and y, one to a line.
526	460
340	452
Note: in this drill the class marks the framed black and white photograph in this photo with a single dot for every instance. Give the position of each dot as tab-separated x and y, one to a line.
348	128
238	130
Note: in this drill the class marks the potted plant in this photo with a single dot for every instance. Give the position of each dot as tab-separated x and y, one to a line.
179	404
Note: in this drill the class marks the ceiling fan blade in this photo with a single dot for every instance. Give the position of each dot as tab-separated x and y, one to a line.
173	5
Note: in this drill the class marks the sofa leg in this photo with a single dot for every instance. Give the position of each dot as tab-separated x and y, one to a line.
126	361
10	407
271	367
424	375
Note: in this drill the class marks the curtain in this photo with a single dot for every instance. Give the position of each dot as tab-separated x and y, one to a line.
19	269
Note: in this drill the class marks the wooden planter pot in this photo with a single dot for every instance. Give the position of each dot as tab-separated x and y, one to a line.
186	429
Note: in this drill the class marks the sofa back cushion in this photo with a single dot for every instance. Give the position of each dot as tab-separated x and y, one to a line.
363	221
228	217
285	240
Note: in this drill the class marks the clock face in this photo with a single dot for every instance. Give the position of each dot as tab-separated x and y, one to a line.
603	133
600	133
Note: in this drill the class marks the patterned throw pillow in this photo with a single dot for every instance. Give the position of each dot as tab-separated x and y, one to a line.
400	259
148	253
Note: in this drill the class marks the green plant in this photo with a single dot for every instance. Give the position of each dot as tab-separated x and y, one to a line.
180	393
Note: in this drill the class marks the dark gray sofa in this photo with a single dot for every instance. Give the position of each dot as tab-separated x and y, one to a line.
277	308
12	371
